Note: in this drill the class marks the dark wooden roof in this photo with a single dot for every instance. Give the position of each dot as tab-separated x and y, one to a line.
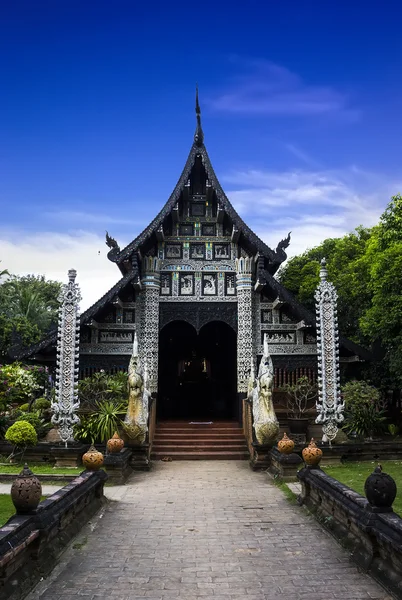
50	338
125	257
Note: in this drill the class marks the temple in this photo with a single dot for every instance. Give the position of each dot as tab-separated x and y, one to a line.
198	288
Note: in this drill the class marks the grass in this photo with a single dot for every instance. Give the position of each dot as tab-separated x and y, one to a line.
40	469
291	496
355	474
7	508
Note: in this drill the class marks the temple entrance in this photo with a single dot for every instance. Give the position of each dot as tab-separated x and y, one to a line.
197	373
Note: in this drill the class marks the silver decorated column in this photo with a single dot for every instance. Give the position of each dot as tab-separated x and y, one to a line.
149	320
329	404
245	321
66	401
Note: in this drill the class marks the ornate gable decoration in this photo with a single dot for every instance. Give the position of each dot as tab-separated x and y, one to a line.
127	257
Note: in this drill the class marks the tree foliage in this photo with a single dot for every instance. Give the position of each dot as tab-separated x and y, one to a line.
28	308
365	267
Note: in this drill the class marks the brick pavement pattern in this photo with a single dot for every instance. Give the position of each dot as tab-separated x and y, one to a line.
199	530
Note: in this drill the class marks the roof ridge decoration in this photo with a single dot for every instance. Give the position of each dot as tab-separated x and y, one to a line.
274	257
199	134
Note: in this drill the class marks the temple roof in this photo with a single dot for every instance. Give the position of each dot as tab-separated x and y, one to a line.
127	258
123	257
270	286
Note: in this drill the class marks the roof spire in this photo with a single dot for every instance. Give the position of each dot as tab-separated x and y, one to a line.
199	134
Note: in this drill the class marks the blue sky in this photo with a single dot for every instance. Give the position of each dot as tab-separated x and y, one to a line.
301	109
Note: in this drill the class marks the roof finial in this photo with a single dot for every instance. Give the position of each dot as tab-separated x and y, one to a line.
199	134
323	270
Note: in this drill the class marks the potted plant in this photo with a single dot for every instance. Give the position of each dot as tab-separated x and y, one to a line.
300	397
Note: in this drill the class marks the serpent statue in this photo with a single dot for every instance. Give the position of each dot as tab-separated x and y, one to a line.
136	419
266	425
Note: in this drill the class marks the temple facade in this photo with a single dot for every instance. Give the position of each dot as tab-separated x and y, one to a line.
198	289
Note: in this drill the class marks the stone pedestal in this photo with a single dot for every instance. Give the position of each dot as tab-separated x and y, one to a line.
68	457
117	466
284	466
261	459
140	457
299	439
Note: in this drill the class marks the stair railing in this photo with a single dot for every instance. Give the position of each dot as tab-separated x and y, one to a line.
248	429
151	424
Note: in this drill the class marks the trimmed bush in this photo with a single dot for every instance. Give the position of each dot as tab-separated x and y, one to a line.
31	418
21	434
24	407
42	404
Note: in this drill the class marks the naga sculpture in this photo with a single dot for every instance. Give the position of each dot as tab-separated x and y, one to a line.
266	425
114	248
136	420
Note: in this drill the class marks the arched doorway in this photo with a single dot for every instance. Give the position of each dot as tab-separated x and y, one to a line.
197	373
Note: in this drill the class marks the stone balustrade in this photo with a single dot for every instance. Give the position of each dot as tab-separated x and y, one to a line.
374	537
31	544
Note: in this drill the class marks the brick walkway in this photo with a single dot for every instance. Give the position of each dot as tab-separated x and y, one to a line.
199	530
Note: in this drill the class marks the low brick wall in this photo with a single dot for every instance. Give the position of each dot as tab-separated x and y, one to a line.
30	545
374	539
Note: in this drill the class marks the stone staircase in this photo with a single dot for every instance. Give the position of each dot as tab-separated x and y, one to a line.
197	440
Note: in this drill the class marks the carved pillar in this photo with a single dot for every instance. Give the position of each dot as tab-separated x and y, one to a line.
67	366
329	405
149	320
245	321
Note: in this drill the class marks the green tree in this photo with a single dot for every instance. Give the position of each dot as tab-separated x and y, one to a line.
381	322
28	308
348	271
365	267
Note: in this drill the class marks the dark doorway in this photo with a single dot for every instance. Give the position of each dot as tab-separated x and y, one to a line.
197	373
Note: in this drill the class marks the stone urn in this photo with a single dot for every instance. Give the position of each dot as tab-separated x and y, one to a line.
26	492
286	445
312	455
92	460
115	444
380	490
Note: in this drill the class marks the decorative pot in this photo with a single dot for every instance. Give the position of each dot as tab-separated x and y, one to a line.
115	444
298	425
312	455
380	490
92	460
286	445
26	492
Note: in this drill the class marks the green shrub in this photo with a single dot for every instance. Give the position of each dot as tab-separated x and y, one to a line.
42	404
102	387
21	435
24	407
39	424
85	431
31	418
100	425
107	419
364	414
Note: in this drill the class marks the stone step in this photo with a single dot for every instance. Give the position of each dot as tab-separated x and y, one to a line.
195	431
197	455
186	440
198	425
197	447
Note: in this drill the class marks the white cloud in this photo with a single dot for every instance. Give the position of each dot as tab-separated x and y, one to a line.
53	254
270	89
314	205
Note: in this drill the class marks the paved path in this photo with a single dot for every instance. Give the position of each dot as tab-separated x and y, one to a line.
199	530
